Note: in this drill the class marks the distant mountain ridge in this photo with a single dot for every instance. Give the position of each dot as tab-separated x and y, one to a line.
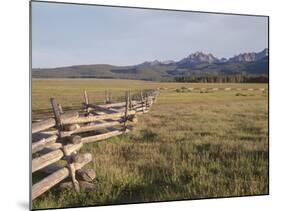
197	63
250	57
200	58
197	58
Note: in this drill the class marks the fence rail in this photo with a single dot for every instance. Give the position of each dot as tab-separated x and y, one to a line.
59	138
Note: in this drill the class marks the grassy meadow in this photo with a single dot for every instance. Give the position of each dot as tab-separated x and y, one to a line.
190	145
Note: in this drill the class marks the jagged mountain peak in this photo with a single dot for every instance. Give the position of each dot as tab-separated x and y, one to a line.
198	58
197	63
168	62
250	56
157	62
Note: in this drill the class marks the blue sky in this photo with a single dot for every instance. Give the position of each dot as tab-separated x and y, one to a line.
65	34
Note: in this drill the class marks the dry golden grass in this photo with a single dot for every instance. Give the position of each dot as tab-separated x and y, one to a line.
190	145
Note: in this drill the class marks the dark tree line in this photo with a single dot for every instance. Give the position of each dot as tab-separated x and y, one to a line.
223	79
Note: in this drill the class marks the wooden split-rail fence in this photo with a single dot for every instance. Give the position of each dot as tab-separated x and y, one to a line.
57	140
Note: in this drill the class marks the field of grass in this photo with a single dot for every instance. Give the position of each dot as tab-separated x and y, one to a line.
190	145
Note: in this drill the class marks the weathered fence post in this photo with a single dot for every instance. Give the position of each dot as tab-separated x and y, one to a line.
60	109
142	102
72	170
57	175
86	102
130	100
146	101
126	110
57	114
59	126
109	97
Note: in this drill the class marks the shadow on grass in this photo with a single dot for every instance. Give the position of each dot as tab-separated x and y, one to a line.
160	181
146	135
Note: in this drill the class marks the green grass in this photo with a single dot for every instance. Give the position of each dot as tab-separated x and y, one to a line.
190	145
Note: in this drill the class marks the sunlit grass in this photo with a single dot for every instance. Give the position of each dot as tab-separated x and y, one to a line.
190	145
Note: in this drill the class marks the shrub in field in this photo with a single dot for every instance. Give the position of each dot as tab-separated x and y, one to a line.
240	94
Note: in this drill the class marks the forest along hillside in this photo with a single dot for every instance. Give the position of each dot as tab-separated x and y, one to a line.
194	65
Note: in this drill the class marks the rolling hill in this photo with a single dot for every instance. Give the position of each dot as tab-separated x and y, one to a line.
197	64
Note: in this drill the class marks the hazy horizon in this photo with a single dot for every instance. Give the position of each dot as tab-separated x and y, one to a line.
67	35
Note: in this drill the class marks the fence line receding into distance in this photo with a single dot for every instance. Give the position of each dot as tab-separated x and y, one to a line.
57	140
